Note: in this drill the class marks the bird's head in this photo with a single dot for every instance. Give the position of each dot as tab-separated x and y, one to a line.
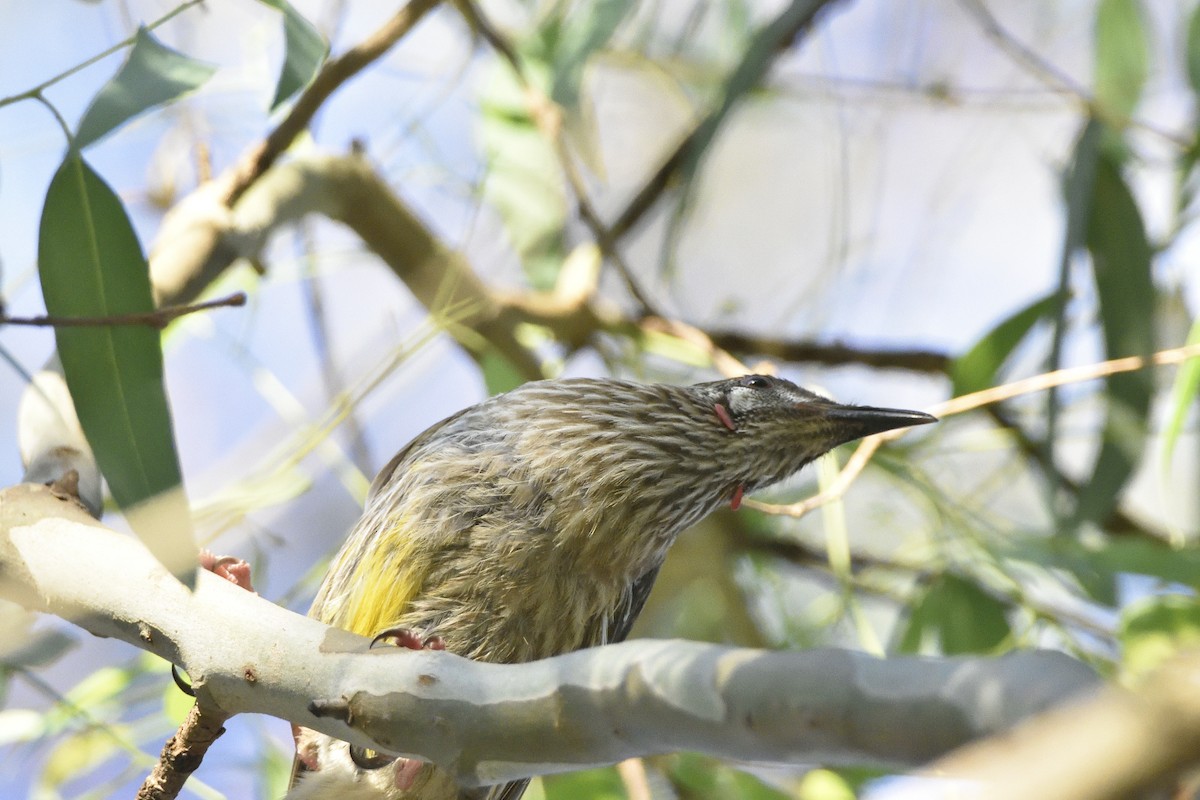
772	427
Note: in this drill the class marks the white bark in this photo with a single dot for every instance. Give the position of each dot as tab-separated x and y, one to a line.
489	722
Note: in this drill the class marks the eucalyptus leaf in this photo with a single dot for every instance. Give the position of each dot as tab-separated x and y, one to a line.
1121	265
706	778
91	265
1122	56
1078	187
499	374
153	74
594	784
1096	565
977	368
957	616
578	39
1183	396
524	181
77	753
1192	55
304	51
1155	628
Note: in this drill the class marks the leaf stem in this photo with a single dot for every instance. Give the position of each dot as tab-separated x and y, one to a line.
36	92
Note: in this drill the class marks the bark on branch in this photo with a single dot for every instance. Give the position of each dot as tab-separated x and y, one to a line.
489	723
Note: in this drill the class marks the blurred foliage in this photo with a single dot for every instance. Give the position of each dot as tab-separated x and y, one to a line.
1122	56
953	616
304	51
1155	628
957	571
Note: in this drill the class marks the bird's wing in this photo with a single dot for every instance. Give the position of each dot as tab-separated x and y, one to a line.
623	617
385	474
359	592
616	627
505	791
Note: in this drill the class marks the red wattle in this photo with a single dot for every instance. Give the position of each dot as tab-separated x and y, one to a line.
723	416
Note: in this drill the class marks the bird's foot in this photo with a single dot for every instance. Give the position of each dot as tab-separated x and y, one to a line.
231	568
405	771
409	639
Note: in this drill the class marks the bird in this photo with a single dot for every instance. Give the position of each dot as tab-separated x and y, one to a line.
534	524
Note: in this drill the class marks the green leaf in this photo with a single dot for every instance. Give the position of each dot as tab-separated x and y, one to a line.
152	75
524	181
1121	265
91	265
824	784
1155	628
1193	51
759	55
585	33
1122	56
1067	554
977	368
704	778
101	688
594	784
303	52
1078	188
499	374
1183	396
1148	557
78	753
957	616
1096	564
830	782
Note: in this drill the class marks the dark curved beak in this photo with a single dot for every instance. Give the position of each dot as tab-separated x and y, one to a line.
854	422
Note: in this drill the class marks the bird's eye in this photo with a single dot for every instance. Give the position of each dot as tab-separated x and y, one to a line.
755	382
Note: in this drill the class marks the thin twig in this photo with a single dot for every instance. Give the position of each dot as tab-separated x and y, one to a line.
1055	78
1035	453
159	318
969	402
1063	377
633	777
548	118
802	555
335	72
700	136
183	752
36	91
831	354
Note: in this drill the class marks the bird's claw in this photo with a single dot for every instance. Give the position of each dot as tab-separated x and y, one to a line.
409	639
231	568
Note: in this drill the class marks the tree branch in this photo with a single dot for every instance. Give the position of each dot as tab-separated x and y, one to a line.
56	445
259	158
183	753
781	32
500	722
549	121
159	318
1122	744
347	189
798	351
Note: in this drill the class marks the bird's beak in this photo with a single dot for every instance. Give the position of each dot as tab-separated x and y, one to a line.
854	422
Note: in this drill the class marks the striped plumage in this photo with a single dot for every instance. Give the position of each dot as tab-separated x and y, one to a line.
533	523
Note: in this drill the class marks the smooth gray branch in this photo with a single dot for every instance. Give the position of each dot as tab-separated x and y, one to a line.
489	722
